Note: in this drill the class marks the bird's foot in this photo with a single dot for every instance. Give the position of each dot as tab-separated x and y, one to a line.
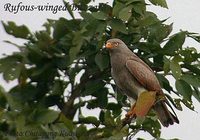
129	116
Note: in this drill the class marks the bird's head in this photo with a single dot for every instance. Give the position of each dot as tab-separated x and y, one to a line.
115	43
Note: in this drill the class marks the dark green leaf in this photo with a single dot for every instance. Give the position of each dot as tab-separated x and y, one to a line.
102	61
100	15
81	131
166	66
69	8
109	119
164	82
189	54
161	3
118	25
188	104
92	87
60	28
45	116
102	98
178	104
113	106
152	126
139	8
89	120
101	116
191	79
68	123
176	69
196	94
87	16
17	31
73	52
174	44
184	89
18	96
11	67
134	1
117	8
148	19
125	13
159	32
3	100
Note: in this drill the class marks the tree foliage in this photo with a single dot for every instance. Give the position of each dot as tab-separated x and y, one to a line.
47	65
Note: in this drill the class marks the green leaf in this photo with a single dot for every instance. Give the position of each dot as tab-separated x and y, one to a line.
60	28
139	8
24	93
148	19
92	87
102	61
11	67
113	106
81	131
87	16
159	31
100	15
68	123
134	1
118	25
166	66
109	119
89	120
117	8
69	8
3	100
188	104
73	52
92	104
152	126
45	116
14	104
164	82
189	54
176	69
174	44
178	104
17	31
184	89
77	42
102	98
101	116
125	13
161	3
191	79
20	95
196	94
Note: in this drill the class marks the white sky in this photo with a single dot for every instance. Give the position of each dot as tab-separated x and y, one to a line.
183	13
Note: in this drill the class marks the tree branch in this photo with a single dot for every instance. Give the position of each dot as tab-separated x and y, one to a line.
68	109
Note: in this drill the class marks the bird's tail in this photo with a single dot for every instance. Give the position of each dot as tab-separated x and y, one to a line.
164	115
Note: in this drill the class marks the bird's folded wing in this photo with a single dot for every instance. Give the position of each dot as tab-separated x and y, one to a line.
143	74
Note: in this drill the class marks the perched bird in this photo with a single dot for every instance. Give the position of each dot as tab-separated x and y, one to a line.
133	76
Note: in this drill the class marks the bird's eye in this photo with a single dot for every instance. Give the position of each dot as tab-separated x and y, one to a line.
116	44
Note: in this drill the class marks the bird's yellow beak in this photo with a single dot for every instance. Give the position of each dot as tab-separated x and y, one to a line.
109	45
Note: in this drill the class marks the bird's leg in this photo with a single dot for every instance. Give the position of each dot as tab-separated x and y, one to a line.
131	113
129	116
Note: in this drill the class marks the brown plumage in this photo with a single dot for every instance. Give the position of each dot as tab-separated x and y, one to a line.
133	76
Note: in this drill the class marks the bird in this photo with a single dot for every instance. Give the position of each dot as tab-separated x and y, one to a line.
133	76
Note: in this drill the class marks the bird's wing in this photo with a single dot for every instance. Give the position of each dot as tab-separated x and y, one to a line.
146	77
143	74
